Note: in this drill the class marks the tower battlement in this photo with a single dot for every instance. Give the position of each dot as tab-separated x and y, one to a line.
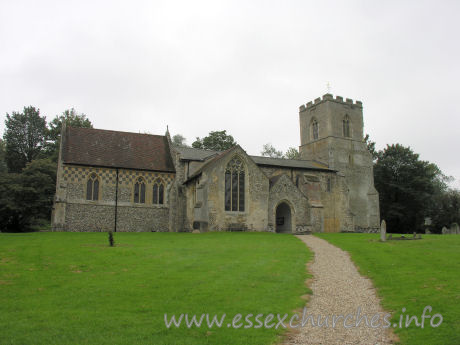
330	97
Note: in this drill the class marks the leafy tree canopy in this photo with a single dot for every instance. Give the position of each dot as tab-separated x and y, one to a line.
371	147
292	153
24	137
406	187
27	197
179	140
446	209
216	140
268	150
3	166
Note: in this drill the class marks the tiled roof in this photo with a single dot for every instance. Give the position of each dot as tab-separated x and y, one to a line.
289	163
189	153
192	154
214	158
97	147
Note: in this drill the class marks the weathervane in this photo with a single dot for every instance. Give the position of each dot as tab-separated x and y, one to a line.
328	87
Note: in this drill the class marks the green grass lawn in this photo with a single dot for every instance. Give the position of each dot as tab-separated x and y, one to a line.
412	274
72	288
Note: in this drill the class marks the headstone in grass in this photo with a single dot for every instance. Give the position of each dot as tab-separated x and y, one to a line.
111	240
454	229
383	231
415	235
444	230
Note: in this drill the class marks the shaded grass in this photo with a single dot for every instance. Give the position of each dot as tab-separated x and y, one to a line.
412	275
72	288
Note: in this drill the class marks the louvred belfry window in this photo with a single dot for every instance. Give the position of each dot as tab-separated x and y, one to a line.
234	185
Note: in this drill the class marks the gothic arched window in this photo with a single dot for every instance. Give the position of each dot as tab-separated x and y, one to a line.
234	185
92	187
346	127
315	129
158	192
139	191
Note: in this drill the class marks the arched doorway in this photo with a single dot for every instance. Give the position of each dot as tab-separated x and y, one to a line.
283	218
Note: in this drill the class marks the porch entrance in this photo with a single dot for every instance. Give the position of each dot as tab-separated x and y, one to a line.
283	218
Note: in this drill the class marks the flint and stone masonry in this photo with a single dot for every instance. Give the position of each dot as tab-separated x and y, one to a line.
121	181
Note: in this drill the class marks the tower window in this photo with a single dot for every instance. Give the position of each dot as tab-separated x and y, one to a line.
92	188
139	191
346	127
328	184
234	185
315	129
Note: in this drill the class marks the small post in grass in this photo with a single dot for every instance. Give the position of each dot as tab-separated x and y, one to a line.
111	240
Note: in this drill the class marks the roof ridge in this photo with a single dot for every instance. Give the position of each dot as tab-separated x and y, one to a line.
114	131
290	159
195	148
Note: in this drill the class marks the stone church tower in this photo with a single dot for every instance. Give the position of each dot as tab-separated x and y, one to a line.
331	131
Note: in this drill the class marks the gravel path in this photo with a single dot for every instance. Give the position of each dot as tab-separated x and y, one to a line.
338	289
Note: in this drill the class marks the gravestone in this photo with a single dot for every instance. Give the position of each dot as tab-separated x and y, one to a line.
415	235
444	230
383	231
390	237
454	228
419	236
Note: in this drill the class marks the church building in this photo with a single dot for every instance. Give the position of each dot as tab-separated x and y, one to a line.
119	181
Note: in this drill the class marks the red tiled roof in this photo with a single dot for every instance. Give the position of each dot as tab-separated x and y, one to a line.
97	147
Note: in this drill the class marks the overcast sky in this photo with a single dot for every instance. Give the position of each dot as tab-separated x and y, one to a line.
243	66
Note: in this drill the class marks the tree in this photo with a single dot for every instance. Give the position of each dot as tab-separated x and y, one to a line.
27	197
179	140
371	147
216	140
292	153
446	209
3	166
12	200
71	118
268	150
24	137
40	177
406	186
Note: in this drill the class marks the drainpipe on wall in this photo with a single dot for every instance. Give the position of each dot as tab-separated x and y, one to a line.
116	202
